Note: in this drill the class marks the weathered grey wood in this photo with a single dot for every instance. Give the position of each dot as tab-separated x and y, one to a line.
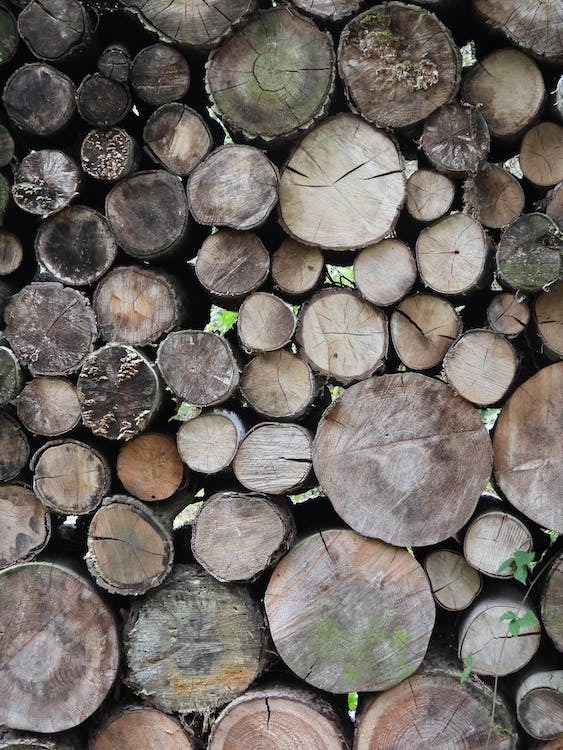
49	406
541	154
11	253
149	466
492	538
26	525
8	35
265	323
548	317
297	269
132	726
429	195
14	447
539	703
454	583
456	139
160	74
7	146
328	10
493	196
45	181
11	377
115	63
508	314
54	30
554	205
108	155
552	601
177	138
208	443
17	740
102	102
384	273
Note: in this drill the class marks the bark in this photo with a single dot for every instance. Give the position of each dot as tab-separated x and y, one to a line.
45	181
548	317
102	102
14	740
209	442
539	703
492	538
56	29
456	139
26	525
177	138
115	63
149	467
14	448
429	195
557	100
493	196
265	323
454	583
508	315
132	727
384	273
108	155
297	270
11	253
11	378
160	74
541	154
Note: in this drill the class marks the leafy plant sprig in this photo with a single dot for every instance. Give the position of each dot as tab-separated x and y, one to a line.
519	565
515	623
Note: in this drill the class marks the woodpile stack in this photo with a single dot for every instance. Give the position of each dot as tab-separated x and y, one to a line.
280	375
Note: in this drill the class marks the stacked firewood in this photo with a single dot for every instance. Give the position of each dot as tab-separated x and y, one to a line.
280	377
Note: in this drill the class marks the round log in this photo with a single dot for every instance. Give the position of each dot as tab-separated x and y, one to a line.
454	583
60	648
391	454
8	35
539	704
177	138
328	10
14	448
49	406
429	195
493	196
209	442
343	186
108	155
541	154
320	604
149	466
384	273
132	727
26	525
115	63
11	378
265	323
492	538
456	139
102	102
45	181
55	29
160	74
548	316
507	314
11	253
552	602
7	146
297	269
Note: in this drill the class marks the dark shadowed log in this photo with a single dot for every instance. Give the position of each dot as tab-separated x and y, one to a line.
26	525
274	77
493	196
237	537
554	205
391	453
492	538
51	328
7	146
265	323
149	466
14	448
507	314
8	35
194	643
454	583
456	139
11	252
334	605
177	138
541	154
17	740
11	378
49	406
385	272
160	74
108	154
45	181
552	602
133	727
539	703
429	195
548	317
297	269
209	442
102	102
55	29
115	63
328	10
60	648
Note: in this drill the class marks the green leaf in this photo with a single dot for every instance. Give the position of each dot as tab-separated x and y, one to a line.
521	574
510	615
468	661
514	627
522	558
529	620
506	564
220	321
352	701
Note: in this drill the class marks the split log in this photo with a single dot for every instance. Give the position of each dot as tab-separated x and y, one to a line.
8	35
274	77
70	477
342	336
45	181
194	643
274	458
209	442
115	63
237	537
119	392
539	704
423	327
132	727
493	196
552	602
26	525
492	538
50	327
391	455
11	253
108	155
11	378
297	270
541	154
398	63
235	186
60	648
508	315
49	406
130	550
54	30
328	10
177	138
149	466
320	604
429	195
160	74
354	198
548	317
14	448
198	367
265	323
384	273
102	102
454	583
456	139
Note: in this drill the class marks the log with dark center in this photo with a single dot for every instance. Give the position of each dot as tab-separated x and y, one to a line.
45	181
26	524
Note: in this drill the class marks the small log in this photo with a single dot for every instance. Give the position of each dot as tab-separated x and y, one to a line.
297	270
11	253
108	155
237	537
274	458
423	327
456	139
541	154
102	102
491	84
396	469
209	442
398	63
493	196
149	467
115	63
384	273
452	255
325	629
11	378
548	317
54	603
130	550
328	10
49	406
50	327
177	138
492	538
508	315
7	146
552	602
70	477
119	392
14	448
235	186
39	99
132	727
454	583
148	214
8	35
231	265
207	648
53	30
429	195
342	336
361	168
45	181
26	525
212	374
265	323
278	385
160	74
539	704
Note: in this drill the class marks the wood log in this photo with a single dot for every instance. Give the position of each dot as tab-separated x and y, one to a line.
39	99
384	273
237	537
26	525
14	740
508	315
548	317
14	447
354	198
423	327
492	538
132	727
342	336
148	213
235	186
209	442
320	604
149	466
328	10
45	181
454	583
541	154
274	78
160	74
274	458
60	648
212	374
11	378
119	392
429	195
102	102
115	63
456	139
396	469
11	253
393	75
297	270
7	146
265	323
539	704
554	206
493	196
108	155
54	30
177	138
552	602
8	35
49	406
194	643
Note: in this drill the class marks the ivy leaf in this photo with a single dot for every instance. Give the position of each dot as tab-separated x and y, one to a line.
528	620
468	661
518	565
507	616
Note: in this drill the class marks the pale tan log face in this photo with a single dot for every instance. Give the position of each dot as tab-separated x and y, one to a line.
26	525
141	727
492	538
548	312
208	443
455	584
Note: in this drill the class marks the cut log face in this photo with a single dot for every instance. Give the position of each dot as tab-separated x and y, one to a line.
26	525
548	315
343	186
7	146
49	406
391	452
194	643
454	583
539	704
108	154
115	63
328	10
394	76
11	378
507	315
274	458
60	647
528	448
335	605
11	252
177	138
160	74
274	77
297	269
9	37
265	323
385	272
429	195
17	740
541	154
456	139
14	448
493	196
342	336
149	466
208	443
53	29
492	538
552	602
45	181
133	727
102	102
237	537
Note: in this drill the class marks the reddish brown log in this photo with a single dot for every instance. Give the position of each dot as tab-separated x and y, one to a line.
149	467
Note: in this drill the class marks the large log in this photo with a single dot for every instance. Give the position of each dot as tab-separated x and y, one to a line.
132	727
26	524
56	29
